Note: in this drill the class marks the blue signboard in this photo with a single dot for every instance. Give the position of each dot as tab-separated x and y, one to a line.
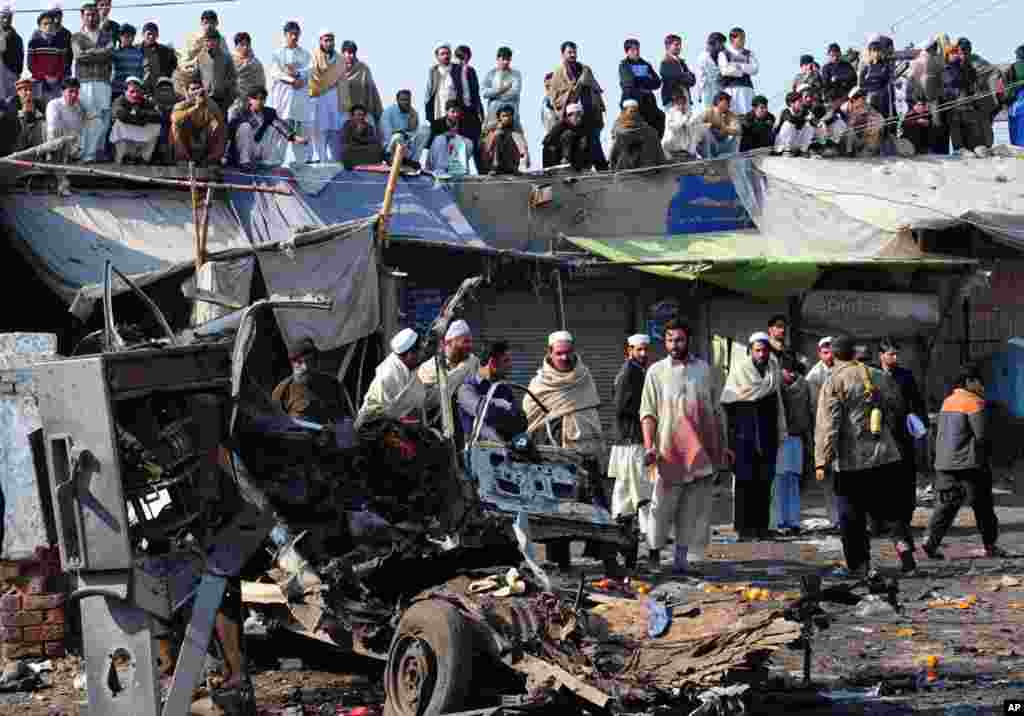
706	203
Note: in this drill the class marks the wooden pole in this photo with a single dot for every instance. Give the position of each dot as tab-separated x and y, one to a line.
206	228
384	217
195	215
153	181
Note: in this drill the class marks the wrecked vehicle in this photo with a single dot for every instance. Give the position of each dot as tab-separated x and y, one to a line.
173	476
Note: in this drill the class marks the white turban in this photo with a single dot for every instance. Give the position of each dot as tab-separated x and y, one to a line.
457	329
760	336
404	340
559	337
631	103
826	341
640	339
574	108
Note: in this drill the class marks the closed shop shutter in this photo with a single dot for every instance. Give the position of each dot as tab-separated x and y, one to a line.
522	319
600	321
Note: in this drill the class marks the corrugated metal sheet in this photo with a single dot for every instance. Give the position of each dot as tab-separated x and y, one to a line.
600	321
524	319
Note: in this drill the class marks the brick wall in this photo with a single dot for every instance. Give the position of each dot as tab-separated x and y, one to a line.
32	606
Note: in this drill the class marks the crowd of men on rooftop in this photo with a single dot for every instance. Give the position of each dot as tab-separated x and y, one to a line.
144	102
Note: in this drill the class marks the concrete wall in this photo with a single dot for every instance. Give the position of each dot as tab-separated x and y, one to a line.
24	528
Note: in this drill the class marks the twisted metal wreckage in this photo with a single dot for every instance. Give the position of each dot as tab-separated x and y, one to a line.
375	549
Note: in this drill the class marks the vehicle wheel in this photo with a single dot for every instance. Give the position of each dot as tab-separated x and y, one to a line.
430	664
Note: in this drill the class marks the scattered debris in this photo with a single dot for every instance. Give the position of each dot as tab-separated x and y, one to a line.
874	605
722	701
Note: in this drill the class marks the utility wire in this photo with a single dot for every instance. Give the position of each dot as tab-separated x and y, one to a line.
163	3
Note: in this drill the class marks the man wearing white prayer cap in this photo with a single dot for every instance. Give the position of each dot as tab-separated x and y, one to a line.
460	363
568	142
396	392
626	462
815	379
566	388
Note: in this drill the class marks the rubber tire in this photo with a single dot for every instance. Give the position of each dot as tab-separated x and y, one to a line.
450	636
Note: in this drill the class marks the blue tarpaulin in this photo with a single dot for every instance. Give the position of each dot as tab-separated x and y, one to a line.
326	195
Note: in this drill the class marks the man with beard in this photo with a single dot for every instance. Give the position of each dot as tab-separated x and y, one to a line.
632	492
816	378
356	87
400	125
251	131
157	60
249	73
639	81
360	144
323	91
289	75
307	393
47	59
753	404
198	129
789	465
675	75
460	364
634	142
136	129
504	150
504	419
449	153
442	85
396	392
31	121
569	142
12	53
94	55
565	386
683	447
913	403
737	66
795	132
758	126
853	437
573	83
777	328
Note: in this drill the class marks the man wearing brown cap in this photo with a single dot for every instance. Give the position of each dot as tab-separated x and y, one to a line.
308	393
31	121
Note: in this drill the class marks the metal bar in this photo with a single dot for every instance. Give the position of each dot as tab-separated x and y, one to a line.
77	169
150	304
192	658
742	261
169	3
44	148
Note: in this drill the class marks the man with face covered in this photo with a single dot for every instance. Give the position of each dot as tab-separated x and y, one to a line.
680	418
626	462
504	149
753	404
308	393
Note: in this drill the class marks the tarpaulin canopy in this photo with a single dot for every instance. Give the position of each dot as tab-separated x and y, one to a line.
324	195
70	239
745	261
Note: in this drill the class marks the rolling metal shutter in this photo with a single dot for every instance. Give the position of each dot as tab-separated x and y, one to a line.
600	321
522	319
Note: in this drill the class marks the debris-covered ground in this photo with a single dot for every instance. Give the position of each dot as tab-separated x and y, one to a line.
955	645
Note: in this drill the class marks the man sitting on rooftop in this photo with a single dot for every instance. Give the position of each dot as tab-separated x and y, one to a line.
399	125
569	142
504	149
136	129
359	141
65	117
31	121
722	130
635	143
449	153
198	131
253	141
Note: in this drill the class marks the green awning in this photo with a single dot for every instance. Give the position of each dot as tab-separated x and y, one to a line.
735	260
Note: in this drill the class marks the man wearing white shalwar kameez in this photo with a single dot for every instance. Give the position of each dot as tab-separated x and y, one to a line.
396	392
737	65
325	117
460	364
683	445
626	461
289	95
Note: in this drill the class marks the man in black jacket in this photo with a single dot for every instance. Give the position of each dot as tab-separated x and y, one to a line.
157	60
758	126
249	131
838	75
632	490
137	122
889	359
674	72
639	81
569	142
13	50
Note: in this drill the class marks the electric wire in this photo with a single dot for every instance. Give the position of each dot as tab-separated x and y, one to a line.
162	3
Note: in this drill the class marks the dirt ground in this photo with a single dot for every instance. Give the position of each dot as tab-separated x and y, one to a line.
976	634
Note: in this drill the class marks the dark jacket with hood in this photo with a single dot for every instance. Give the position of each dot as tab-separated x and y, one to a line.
629	386
838	76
